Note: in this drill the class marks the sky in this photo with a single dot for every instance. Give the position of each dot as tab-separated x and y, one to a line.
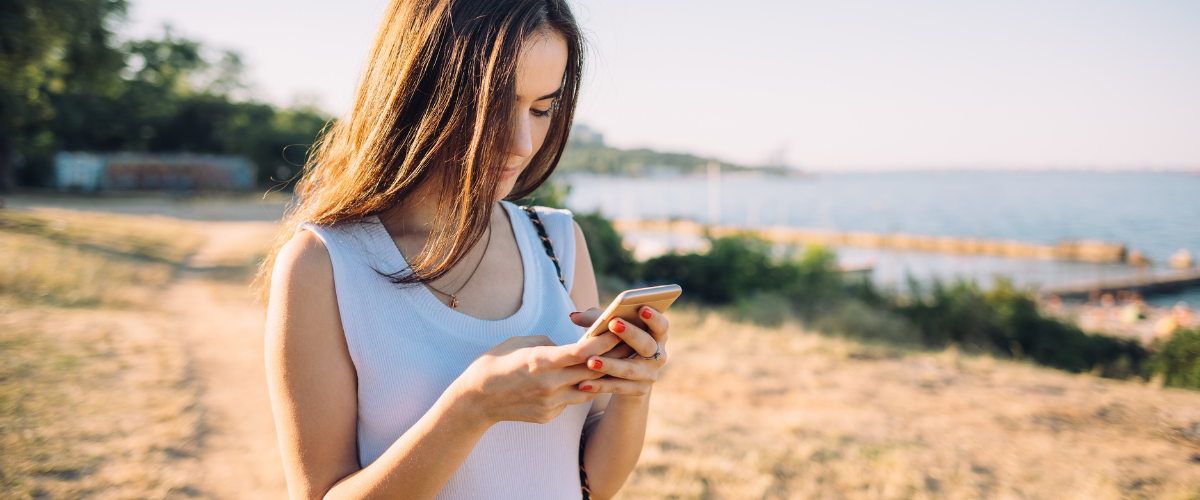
857	85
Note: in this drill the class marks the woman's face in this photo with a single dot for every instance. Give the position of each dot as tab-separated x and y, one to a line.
540	69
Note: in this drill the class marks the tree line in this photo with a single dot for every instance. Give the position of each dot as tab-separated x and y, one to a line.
67	83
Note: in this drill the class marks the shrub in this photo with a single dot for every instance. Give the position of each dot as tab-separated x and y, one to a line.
763	309
857	320
740	267
1007	320
609	256
1178	359
745	275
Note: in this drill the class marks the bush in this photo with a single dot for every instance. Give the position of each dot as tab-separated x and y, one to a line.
1007	320
738	267
610	258
857	320
1178	359
743	274
763	309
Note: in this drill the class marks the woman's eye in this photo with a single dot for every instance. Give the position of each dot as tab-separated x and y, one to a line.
540	112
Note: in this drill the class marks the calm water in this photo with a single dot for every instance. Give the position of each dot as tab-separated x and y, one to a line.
1157	213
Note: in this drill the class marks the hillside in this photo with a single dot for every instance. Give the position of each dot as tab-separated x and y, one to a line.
587	152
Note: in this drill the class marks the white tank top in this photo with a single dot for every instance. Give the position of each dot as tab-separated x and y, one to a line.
407	347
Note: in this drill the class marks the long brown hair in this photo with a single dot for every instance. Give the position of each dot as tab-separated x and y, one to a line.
434	105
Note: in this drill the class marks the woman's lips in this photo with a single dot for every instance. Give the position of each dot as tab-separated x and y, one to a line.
508	173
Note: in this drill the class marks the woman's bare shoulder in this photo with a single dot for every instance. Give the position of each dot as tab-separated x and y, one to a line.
302	262
302	291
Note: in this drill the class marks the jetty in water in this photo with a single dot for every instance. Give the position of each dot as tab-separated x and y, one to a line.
1148	284
1081	250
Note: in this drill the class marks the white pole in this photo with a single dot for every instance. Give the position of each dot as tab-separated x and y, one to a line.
714	193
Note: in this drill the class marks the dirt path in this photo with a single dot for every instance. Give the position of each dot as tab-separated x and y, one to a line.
222	327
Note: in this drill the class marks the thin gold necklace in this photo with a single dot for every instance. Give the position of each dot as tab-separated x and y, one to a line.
453	296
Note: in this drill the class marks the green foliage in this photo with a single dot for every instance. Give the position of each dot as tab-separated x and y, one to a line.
48	48
737	267
858	320
1178	359
763	309
746	275
66	85
610	259
1006	320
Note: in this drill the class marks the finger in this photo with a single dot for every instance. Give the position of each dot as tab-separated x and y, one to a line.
622	351
521	342
528	341
586	318
579	352
637	338
656	324
628	369
574	396
572	375
616	386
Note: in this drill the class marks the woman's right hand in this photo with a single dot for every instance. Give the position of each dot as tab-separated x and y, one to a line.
530	379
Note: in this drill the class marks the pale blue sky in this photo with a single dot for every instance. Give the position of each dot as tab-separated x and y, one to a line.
833	86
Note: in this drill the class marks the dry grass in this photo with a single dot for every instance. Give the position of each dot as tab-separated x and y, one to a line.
70	258
37	269
748	412
148	237
95	404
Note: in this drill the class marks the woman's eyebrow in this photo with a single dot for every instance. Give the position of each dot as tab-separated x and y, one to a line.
552	95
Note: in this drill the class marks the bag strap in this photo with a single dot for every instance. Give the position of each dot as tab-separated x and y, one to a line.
541	231
584	486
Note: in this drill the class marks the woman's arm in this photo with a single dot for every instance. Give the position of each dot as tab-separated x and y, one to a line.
313	392
615	443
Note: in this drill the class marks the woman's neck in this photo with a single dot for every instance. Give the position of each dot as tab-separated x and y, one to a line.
411	222
415	216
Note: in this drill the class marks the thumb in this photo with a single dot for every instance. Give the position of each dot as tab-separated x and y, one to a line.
586	318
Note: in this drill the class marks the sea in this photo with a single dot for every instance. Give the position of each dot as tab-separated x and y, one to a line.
1157	213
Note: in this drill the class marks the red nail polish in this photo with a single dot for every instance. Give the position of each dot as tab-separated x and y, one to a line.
646	313
619	327
586	388
597	364
572	314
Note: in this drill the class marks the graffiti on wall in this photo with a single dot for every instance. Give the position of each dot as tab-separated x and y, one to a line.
136	171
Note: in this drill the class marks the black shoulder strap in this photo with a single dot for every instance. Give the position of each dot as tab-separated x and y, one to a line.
541	231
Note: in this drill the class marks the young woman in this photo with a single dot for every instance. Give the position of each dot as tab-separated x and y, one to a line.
421	338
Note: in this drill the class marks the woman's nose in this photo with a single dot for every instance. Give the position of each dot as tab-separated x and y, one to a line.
521	142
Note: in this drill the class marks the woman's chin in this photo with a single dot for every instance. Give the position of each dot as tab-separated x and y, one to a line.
505	188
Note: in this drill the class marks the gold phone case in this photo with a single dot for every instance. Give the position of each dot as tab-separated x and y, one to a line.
626	306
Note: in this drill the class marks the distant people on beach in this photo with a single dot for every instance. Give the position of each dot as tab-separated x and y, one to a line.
1181	316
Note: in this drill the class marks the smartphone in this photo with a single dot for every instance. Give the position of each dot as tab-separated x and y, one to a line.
626	306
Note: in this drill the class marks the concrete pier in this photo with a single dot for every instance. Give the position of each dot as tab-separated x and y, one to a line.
1145	285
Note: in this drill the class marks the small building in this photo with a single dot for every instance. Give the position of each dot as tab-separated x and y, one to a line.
150	171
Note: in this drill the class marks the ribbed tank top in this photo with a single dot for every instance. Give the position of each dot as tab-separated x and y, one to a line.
408	347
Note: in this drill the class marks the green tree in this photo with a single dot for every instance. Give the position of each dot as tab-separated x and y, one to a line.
50	48
66	85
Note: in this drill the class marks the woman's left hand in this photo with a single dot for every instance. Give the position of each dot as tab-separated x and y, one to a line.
628	376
